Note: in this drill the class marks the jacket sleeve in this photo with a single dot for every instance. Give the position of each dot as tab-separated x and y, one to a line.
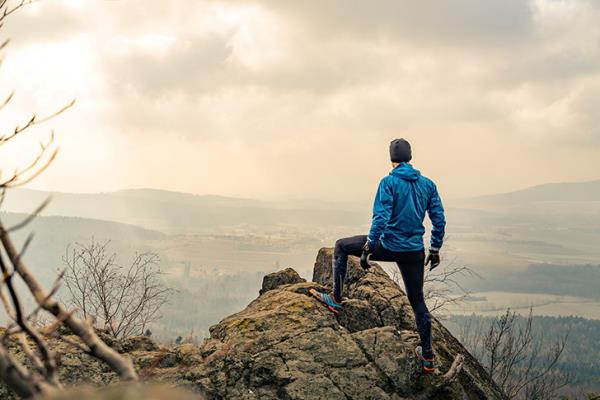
382	210
435	209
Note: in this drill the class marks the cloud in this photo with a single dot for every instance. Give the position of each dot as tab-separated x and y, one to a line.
461	22
197	64
34	24
306	95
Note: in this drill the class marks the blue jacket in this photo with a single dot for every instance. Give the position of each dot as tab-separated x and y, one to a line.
401	201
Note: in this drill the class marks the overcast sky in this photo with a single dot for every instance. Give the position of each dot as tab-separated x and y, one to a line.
300	99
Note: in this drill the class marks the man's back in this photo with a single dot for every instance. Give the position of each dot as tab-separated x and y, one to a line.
403	198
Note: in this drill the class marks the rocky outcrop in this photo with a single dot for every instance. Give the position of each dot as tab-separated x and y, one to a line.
280	278
285	345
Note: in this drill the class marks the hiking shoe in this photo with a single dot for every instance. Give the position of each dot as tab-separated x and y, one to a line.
328	300
425	364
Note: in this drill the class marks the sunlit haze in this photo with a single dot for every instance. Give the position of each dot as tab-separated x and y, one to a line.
292	99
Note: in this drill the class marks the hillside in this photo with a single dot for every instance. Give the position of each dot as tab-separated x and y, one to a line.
285	345
174	212
551	192
81	228
557	223
59	232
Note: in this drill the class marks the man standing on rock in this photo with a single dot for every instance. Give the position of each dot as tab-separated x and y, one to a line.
403	198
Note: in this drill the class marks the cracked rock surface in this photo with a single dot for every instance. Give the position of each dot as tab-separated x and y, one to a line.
286	345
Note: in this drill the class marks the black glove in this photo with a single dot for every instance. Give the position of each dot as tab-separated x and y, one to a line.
364	257
433	258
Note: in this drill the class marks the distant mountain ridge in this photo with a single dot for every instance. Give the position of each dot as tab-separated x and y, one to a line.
50	226
565	191
175	212
186	198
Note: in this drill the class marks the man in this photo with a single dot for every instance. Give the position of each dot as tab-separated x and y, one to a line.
403	198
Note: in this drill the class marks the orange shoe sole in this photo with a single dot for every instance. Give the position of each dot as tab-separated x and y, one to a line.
313	292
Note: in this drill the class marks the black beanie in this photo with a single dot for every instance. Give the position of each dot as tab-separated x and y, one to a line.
400	151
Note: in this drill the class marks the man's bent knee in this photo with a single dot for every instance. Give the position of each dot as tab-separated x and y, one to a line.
339	247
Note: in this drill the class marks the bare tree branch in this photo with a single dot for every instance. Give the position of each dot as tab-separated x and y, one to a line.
30	217
18	378
11	95
99	349
5	11
441	286
34	169
34	120
49	363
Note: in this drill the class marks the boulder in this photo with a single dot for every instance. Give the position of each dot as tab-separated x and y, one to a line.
137	343
276	279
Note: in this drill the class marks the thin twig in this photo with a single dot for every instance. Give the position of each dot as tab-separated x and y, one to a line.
34	120
31	216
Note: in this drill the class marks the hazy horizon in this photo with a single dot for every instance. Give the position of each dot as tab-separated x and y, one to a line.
298	199
292	100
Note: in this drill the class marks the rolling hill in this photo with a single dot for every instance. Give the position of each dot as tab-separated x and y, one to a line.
175	212
551	192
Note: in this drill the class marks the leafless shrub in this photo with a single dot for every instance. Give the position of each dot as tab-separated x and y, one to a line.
41	378
512	353
121	300
442	287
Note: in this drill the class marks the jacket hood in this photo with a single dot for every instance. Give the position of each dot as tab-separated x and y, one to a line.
406	172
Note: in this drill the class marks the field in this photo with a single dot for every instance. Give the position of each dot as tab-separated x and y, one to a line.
493	303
